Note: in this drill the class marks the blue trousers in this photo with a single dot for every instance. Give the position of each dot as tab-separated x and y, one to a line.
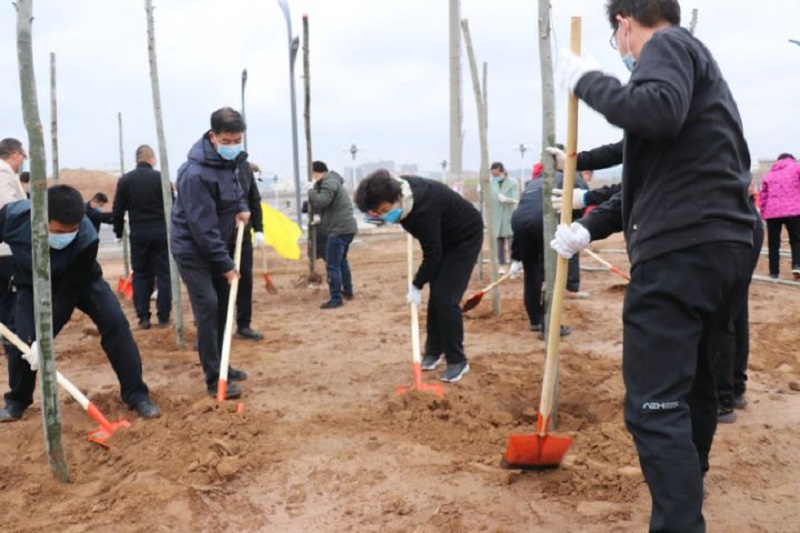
340	280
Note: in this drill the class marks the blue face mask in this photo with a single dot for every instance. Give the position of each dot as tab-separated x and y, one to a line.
393	216
229	151
98	209
629	61
59	241
498	179
25	167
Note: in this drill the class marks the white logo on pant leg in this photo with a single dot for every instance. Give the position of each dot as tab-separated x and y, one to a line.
660	406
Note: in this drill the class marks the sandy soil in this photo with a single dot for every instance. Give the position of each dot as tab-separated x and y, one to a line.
324	443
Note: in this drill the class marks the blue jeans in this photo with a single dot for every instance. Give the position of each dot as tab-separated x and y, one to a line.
339	278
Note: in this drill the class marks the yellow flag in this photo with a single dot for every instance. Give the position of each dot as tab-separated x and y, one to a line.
281	233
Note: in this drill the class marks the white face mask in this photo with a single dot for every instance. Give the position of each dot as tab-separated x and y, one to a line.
25	166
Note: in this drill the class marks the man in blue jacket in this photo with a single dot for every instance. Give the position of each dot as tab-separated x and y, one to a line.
209	204
689	228
77	281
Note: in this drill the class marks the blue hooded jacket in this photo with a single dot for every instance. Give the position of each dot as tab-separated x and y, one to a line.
209	198
73	267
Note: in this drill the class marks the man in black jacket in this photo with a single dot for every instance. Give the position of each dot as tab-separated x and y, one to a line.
689	230
450	231
209	204
139	195
94	211
77	281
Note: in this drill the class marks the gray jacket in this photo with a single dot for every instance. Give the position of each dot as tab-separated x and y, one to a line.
329	198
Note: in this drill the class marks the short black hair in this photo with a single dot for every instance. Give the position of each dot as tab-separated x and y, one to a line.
319	166
100	197
25	177
9	146
227	120
497	165
143	153
377	188
648	13
64	204
785	156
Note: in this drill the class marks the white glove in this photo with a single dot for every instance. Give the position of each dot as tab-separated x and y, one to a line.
503	198
559	154
516	268
118	240
259	238
32	357
414	295
316	220
571	68
557	198
570	239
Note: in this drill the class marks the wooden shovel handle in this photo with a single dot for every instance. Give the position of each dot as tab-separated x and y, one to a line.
228	333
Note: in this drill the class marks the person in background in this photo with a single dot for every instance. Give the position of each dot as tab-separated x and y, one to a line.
779	200
77	282
209	205
683	208
25	181
450	231
139	195
329	198
505	196
12	160
94	211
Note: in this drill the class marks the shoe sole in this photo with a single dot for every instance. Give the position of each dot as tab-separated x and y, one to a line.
456	378
727	418
433	366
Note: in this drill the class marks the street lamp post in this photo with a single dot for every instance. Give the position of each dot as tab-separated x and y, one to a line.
522	147
275	188
244	116
294	45
443	162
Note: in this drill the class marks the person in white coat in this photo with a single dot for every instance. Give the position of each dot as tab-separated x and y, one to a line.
12	158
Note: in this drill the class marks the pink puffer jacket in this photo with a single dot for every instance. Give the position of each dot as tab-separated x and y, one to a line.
780	190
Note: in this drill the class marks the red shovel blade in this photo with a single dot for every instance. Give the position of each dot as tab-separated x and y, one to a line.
125	286
535	451
473	301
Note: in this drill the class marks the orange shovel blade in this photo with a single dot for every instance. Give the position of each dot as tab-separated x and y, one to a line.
435	388
125	286
269	285
101	435
535	451
473	301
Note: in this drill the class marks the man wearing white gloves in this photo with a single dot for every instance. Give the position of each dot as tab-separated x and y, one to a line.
684	210
139	196
330	199
450	231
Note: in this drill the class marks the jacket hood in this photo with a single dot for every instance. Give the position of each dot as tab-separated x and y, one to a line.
783	164
203	153
335	176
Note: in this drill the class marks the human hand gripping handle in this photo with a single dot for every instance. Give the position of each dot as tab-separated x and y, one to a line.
569	240
559	154
414	295
516	268
259	239
557	198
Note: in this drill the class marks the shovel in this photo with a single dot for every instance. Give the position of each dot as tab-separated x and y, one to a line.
125	286
417	384
222	384
106	429
609	266
476	298
543	449
267	280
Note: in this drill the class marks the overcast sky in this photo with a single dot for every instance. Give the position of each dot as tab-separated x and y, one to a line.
379	72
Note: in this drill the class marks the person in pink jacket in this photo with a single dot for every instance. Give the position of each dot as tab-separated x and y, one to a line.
779	201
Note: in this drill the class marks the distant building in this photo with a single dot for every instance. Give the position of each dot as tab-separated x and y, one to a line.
409	168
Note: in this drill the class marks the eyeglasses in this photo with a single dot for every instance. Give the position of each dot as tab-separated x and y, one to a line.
613	40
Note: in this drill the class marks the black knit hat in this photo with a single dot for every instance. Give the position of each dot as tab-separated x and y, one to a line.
319	166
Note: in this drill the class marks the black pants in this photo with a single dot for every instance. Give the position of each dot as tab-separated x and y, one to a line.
734	349
502	244
6	292
445	325
774	226
208	293
675	307
528	248
150	262
102	306
244	295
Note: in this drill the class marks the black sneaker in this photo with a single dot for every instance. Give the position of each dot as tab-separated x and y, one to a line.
330	304
454	372
147	409
144	323
430	362
233	391
347	296
163	324
726	415
10	413
740	401
249	334
796	273
236	375
565	331
536	327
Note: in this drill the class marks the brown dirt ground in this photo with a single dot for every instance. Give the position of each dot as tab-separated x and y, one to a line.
324	443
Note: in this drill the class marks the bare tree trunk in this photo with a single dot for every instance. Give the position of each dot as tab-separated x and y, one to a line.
483	122
313	277
42	297
54	115
244	114
125	255
166	183
548	167
693	23
456	113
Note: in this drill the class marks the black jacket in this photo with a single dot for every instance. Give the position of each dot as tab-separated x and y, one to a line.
686	165
98	217
442	221
248	182
606	156
71	269
139	193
